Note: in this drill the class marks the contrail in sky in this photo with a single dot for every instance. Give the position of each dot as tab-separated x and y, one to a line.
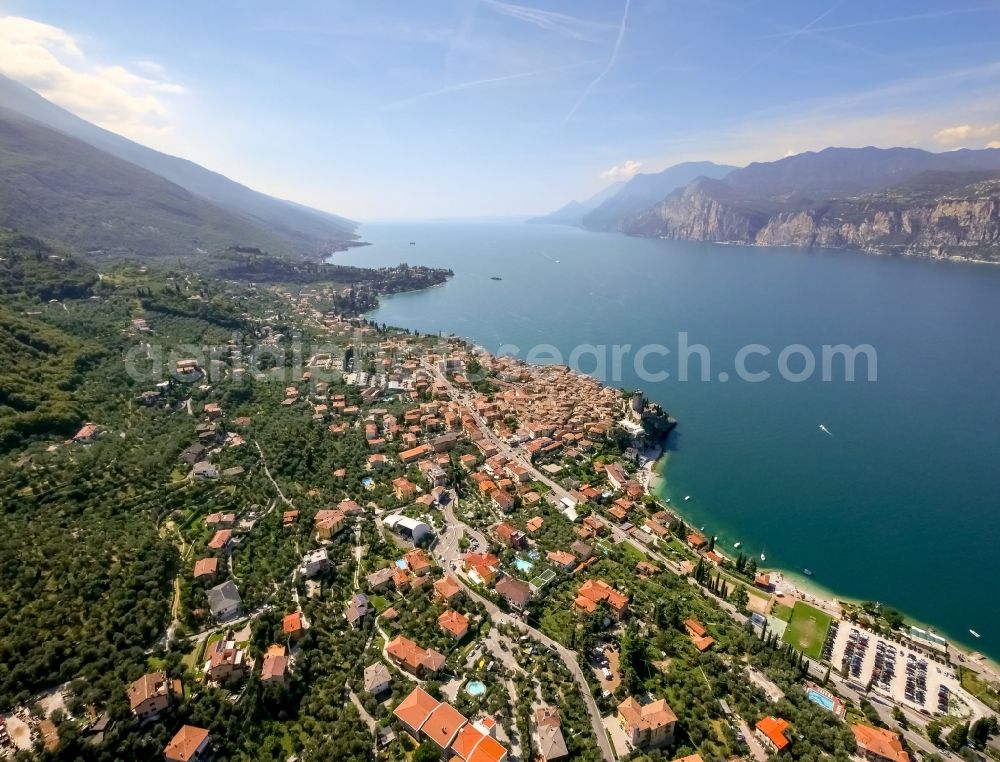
608	66
474	83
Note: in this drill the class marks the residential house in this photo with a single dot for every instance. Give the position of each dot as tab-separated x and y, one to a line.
275	665
206	568
581	549
616	475
647	725
411	455
454	623
698	634
220	520
224	601
193	454
150	695
516	593
433	473
294	626
564	560
418	562
549	739
379	581
511	536
404	489
447	589
534	524
190	744
377	679
647	569
221	540
503	500
696	542
596	525
770	731
427	719
357	608
596	591
204	470
87	434
879	744
481	567
329	522
409	656
350	508
225	661
314	562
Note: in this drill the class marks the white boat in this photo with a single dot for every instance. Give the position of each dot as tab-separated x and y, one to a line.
825	430
687	497
736	545
975	634
763	557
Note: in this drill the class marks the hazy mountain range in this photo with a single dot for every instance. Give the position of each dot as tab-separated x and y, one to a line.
69	180
895	200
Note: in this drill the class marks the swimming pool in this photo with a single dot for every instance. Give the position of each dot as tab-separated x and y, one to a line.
523	565
475	688
401	563
368	482
820	698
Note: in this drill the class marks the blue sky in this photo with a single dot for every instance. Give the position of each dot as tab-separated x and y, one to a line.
450	108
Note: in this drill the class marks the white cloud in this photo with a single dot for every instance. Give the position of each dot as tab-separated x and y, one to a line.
49	60
964	133
622	171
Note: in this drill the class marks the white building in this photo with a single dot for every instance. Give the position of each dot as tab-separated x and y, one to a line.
314	562
406	527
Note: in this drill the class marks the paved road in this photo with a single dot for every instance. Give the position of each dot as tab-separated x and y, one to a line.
756	748
267	472
568	657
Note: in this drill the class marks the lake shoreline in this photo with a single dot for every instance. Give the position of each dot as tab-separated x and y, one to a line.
556	293
800	587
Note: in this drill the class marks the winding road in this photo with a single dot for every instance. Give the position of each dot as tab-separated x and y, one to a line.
450	541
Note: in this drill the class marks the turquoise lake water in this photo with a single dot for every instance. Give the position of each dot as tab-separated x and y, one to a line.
899	502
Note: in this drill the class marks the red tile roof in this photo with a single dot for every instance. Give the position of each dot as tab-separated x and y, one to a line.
774	729
881	743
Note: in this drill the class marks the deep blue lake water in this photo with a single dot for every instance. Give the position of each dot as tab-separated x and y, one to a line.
899	502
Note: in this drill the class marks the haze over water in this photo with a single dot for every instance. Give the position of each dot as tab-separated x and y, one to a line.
900	504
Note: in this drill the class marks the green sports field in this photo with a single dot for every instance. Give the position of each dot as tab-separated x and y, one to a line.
807	629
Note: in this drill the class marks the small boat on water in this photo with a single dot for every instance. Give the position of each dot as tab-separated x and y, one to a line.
763	557
736	544
413	243
975	634
807	572
687	497
495	277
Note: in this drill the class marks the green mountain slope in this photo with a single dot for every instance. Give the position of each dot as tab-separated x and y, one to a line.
309	227
63	189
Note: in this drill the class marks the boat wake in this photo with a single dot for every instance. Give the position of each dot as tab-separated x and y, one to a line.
825	430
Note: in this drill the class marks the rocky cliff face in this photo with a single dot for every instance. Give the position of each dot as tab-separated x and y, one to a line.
966	226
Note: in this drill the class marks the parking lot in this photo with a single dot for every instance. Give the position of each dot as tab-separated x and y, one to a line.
894	670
